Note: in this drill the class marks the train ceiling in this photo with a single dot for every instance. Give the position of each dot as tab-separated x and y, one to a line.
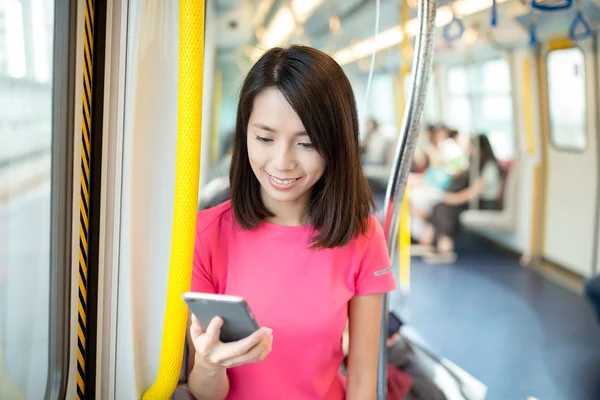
335	26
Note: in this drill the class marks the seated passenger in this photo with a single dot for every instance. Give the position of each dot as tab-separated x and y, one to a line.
296	240
447	159
455	158
421	159
443	222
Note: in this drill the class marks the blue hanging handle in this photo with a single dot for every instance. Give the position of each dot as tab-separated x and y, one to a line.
580	20
494	20
532	34
455	23
544	7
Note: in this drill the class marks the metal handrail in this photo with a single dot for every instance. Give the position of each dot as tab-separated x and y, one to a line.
422	63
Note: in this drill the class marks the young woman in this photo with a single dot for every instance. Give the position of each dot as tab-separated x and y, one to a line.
296	240
443	221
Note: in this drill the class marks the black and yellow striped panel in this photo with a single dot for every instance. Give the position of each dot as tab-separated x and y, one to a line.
84	202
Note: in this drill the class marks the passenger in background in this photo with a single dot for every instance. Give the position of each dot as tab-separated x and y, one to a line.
424	143
216	189
377	157
443	222
453	154
446	159
296	241
374	146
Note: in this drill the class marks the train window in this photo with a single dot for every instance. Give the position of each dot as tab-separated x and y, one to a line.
458	84
459	114
26	40
381	95
431	112
566	99
495	76
479	100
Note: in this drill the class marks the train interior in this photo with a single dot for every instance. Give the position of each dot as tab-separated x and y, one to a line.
89	147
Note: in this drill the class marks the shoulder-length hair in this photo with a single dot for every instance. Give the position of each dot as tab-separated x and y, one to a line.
320	93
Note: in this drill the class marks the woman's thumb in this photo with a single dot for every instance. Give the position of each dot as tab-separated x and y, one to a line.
196	328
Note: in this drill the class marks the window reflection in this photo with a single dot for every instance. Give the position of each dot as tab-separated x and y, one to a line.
26	38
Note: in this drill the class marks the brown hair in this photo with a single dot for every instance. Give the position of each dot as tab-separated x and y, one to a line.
320	93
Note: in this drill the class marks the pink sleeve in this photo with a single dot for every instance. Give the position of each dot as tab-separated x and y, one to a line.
202	279
374	273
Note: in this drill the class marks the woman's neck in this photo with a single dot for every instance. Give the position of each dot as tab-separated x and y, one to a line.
289	213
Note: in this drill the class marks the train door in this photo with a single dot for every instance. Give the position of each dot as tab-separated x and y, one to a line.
571	158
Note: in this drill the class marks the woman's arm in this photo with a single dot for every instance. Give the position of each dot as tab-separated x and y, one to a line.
465	195
365	326
208	384
204	384
208	379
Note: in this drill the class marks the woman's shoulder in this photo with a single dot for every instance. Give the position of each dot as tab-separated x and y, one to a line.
211	220
373	232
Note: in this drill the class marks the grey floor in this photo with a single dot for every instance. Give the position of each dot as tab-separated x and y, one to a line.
512	329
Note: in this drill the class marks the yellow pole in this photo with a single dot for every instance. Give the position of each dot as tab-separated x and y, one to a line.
404	226
187	175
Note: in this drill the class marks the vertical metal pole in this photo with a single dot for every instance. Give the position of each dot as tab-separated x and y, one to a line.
409	132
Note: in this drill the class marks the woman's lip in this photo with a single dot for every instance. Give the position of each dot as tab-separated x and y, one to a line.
282	186
281	179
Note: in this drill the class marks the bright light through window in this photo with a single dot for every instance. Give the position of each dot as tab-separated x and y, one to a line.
14	38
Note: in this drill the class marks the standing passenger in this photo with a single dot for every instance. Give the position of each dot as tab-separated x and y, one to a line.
296	241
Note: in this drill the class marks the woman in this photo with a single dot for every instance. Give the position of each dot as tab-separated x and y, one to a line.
296	241
443	222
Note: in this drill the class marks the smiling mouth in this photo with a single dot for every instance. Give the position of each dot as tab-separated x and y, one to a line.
283	181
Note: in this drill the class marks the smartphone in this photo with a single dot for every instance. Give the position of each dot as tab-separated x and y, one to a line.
238	320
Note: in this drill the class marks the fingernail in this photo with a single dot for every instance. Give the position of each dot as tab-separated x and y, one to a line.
265	332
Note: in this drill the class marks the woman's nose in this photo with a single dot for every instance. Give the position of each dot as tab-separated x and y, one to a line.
284	158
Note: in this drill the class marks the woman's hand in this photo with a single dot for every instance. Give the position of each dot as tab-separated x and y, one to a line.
214	355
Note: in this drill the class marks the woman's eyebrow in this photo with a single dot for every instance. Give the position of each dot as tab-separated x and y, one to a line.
264	127
269	129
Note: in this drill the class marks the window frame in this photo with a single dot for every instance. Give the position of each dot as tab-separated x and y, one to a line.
63	111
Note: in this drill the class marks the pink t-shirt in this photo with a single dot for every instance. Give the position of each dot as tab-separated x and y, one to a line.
301	294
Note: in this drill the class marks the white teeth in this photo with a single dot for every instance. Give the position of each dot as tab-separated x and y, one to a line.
283	181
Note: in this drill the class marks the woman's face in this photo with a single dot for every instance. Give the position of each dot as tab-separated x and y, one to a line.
439	136
280	152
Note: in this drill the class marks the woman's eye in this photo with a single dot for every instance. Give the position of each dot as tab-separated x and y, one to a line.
263	139
306	145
